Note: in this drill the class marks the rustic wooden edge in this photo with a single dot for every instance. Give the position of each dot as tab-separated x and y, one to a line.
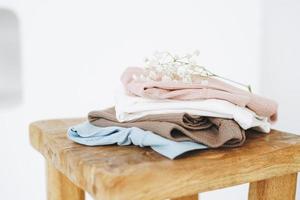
191	197
110	186
276	188
59	187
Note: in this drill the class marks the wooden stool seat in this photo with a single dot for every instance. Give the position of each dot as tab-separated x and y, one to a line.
269	162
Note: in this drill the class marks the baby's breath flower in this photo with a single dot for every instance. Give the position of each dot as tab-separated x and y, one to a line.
196	53
163	66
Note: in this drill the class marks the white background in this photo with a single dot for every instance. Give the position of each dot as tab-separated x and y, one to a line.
73	52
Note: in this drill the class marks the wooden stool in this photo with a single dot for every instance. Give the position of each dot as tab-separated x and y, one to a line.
270	163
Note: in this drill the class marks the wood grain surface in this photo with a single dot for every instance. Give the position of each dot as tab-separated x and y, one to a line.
276	188
130	172
191	197
59	187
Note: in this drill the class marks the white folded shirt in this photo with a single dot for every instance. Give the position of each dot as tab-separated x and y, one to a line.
131	107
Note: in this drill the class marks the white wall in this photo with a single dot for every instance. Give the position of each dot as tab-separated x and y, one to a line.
280	78
280	60
74	51
10	69
83	46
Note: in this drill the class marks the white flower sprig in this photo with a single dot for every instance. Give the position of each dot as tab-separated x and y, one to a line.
163	66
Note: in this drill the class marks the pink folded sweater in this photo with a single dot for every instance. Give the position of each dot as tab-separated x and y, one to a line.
202	88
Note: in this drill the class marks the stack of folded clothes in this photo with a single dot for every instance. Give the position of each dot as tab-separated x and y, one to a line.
174	117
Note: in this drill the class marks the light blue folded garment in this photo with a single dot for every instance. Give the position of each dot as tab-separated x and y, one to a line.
91	135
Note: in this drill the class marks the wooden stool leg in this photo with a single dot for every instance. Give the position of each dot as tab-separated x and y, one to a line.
277	188
191	197
59	187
